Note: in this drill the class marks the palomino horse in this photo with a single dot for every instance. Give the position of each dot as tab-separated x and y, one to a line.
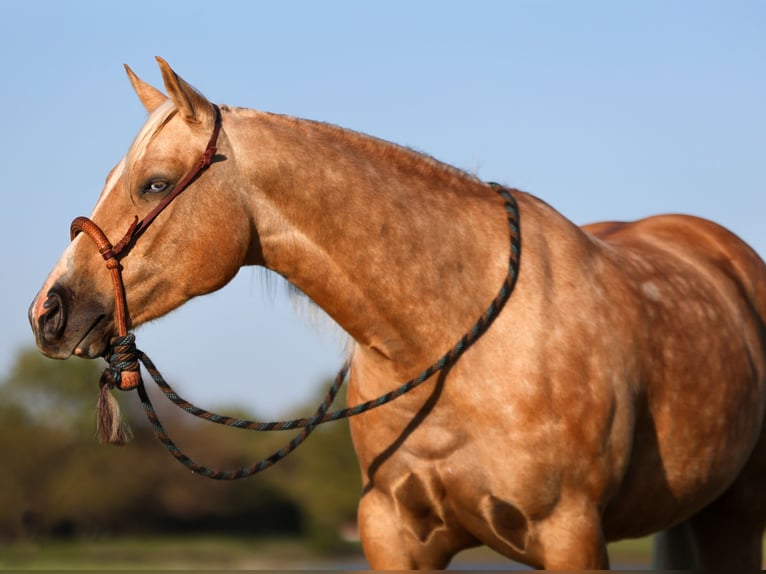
620	392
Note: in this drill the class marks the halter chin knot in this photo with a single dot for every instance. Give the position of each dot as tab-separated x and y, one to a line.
123	370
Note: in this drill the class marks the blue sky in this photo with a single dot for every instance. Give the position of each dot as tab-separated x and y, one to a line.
607	110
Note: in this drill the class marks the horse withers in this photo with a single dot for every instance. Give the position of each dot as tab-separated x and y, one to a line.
620	392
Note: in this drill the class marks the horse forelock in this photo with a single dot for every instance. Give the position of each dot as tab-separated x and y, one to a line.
149	130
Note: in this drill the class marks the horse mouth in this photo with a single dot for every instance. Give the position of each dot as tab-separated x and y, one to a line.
93	343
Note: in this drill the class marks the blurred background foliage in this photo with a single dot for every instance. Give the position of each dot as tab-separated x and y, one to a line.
57	482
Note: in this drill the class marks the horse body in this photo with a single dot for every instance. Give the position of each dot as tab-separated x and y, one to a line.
703	348
620	391
596	399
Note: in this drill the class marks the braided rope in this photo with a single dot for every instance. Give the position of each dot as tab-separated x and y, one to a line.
233	474
125	356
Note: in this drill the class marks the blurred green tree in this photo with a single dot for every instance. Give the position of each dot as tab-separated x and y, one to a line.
56	479
325	478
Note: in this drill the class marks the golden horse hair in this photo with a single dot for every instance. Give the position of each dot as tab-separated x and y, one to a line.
620	392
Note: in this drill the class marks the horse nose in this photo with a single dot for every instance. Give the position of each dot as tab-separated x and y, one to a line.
52	321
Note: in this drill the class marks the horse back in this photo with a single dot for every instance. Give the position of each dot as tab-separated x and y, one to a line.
698	241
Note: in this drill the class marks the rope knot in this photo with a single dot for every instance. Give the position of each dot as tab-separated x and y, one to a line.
123	370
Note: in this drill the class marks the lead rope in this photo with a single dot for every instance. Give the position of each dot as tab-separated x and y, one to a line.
125	357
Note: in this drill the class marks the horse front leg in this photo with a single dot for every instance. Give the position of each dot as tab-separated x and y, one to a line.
572	539
407	533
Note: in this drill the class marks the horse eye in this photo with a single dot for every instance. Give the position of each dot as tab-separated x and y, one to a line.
156	187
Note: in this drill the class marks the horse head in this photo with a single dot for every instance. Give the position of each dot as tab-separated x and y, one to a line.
195	246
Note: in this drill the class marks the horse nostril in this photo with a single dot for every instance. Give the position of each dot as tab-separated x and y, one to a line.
53	321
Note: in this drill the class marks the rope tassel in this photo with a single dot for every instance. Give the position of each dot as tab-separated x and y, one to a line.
122	372
111	427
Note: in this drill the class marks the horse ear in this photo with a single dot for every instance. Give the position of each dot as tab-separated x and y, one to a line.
150	96
192	105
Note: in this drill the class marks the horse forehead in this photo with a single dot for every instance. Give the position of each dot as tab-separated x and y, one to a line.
111	183
115	175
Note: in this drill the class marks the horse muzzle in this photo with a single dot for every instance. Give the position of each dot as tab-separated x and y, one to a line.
64	325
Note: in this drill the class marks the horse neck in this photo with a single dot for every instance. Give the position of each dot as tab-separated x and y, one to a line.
401	251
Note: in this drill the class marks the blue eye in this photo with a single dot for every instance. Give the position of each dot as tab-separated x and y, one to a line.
156	187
